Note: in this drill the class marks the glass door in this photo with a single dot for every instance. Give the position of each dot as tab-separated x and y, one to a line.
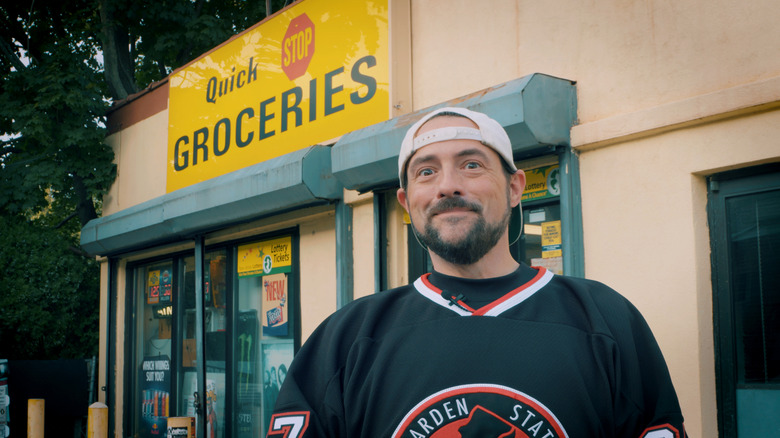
744	215
264	337
214	290
152	353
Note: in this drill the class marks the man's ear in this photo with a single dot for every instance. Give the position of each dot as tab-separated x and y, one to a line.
401	196
516	187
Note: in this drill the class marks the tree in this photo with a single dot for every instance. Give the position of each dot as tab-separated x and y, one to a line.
49	300
54	164
159	36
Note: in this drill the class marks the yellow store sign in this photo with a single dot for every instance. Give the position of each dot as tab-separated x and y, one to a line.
309	74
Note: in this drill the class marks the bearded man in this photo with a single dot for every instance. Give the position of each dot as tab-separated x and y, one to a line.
483	346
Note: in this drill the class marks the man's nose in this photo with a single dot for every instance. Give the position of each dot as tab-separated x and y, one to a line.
450	183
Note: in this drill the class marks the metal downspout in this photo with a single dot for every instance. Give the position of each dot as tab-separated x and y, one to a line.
200	321
571	213
344	254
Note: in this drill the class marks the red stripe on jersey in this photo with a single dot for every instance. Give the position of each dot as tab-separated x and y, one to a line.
486	308
434	294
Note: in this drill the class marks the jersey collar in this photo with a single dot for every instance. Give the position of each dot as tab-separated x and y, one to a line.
506	302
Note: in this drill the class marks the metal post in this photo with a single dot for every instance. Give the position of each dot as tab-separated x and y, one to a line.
571	213
344	254
97	420
35	416
200	320
379	242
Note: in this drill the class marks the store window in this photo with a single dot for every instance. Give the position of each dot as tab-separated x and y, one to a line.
541	243
249	334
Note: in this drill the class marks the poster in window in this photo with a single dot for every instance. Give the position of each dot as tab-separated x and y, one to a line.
265	258
551	239
249	381
165	286
542	183
276	361
275	322
212	418
153	287
155	395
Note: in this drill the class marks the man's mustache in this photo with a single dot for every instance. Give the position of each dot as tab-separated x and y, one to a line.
447	204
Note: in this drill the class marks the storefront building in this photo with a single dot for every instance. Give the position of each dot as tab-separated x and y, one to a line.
256	190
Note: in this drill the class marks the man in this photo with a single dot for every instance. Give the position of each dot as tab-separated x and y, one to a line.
483	346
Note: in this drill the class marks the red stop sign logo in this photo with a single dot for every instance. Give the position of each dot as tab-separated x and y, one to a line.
298	46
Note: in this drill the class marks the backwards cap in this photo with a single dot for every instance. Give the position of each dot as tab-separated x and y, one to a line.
489	132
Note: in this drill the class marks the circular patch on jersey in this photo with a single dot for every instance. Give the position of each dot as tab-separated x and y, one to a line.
480	411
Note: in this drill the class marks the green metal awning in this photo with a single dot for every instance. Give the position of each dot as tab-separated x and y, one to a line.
537	112
295	180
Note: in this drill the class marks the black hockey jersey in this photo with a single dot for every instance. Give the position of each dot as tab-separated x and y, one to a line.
555	357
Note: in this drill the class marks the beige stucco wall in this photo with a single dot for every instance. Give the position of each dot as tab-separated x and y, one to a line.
140	152
362	206
625	56
317	273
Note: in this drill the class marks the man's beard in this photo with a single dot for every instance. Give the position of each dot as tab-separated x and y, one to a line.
475	243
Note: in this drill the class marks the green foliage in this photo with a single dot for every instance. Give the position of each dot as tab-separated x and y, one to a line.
54	163
52	105
170	33
50	298
57	106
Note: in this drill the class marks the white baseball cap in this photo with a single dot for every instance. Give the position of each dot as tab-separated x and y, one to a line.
489	132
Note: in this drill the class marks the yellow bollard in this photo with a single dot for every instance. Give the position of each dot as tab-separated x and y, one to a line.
97	421
35	411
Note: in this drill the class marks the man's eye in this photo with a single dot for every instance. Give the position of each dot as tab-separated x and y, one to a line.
473	165
425	172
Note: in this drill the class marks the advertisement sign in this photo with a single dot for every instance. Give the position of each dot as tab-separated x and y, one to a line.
215	410
276	361
551	239
274	305
153	287
309	74
265	257
542	182
248	412
158	286
552	250
212	419
155	395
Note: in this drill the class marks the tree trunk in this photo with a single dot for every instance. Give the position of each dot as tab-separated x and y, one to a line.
85	208
117	64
